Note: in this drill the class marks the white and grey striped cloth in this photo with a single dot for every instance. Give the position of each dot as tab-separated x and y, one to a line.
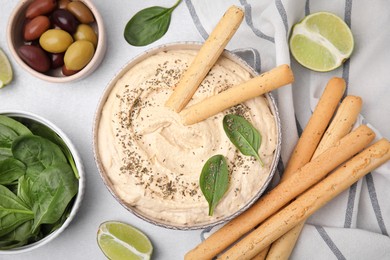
356	224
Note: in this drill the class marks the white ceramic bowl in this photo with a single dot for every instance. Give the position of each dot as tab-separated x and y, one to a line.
30	117
106	179
15	40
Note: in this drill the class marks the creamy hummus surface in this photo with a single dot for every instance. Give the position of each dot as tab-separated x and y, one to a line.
154	162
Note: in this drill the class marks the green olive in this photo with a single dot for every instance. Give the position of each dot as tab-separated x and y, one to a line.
78	55
55	40
85	32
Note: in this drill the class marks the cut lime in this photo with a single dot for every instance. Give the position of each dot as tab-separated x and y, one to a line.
5	70
321	41
119	241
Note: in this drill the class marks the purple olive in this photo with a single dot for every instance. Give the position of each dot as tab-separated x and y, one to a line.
40	7
57	60
65	20
35	57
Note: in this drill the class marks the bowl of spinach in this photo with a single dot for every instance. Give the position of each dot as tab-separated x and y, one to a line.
41	181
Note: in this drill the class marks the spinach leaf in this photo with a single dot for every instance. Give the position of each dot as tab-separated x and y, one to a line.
5	153
16	126
46	132
51	192
243	135
24	190
7	136
17	237
37	153
11	170
214	180
13	211
148	25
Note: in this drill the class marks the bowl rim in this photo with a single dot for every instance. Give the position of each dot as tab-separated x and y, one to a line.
81	189
165	47
87	70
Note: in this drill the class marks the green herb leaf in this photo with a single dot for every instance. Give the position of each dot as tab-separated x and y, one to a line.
214	180
148	25
243	135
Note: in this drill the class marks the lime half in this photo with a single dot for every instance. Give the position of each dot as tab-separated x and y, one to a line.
5	70
321	41
119	241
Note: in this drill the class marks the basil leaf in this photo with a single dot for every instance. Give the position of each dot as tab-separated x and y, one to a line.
148	25
10	170
214	180
243	135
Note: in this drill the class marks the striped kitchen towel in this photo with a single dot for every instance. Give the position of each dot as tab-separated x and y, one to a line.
356	224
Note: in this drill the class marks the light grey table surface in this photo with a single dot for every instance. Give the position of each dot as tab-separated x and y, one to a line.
71	107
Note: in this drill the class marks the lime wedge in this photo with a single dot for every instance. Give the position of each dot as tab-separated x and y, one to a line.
119	241
321	41
5	70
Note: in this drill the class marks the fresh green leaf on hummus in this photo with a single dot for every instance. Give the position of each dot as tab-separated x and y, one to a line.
214	180
243	135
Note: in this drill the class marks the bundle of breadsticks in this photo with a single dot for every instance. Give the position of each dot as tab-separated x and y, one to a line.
327	159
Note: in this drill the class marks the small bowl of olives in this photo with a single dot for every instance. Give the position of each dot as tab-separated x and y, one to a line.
57	40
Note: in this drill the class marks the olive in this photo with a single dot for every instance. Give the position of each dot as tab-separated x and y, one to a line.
57	60
40	7
78	55
65	20
85	32
55	40
34	28
68	72
81	11
35	57
62	4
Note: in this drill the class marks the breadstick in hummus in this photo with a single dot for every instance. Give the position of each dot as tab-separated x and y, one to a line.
266	82
341	125
316	126
205	59
310	201
283	193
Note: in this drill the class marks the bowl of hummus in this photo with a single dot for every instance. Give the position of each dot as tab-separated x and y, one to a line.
151	162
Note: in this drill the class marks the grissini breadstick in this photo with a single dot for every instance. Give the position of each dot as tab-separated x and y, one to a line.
316	126
205	59
341	125
283	193
262	255
310	201
266	82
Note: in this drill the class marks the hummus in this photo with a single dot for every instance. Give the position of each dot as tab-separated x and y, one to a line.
154	162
